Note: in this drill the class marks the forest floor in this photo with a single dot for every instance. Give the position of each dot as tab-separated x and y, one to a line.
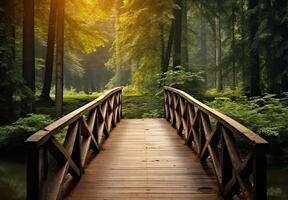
256	114
135	106
71	102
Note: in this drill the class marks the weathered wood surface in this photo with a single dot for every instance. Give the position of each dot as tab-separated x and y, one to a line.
53	163
146	159
237	154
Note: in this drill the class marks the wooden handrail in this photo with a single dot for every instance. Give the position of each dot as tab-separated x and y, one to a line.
236	174
71	156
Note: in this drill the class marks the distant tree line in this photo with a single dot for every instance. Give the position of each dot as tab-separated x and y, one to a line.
53	45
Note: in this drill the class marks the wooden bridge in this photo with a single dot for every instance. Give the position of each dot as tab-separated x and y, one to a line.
146	158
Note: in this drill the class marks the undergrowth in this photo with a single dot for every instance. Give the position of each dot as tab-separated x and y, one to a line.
16	133
267	116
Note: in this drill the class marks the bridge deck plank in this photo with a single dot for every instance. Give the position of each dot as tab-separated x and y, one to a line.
146	159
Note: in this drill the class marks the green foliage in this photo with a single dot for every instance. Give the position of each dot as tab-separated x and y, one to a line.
153	114
72	101
179	77
276	193
264	115
234	94
137	42
142	106
16	133
188	81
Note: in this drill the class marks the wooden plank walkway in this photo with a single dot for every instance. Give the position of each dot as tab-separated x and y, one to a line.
145	159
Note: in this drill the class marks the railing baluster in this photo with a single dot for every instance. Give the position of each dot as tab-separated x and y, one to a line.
226	165
231	170
71	157
36	172
259	172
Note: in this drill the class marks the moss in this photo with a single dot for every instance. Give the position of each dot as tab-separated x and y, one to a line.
15	134
71	102
148	106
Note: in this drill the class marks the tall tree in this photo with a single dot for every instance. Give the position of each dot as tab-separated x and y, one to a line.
169	47
29	44
118	78
50	51
243	35
60	57
233	20
7	68
162	43
218	54
177	50
203	44
185	52
253	60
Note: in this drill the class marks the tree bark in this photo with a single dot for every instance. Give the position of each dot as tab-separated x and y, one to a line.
7	56
253	61
177	53
218	55
118	70
234	84
243	46
284	82
169	47
60	58
162	43
185	52
28	44
50	52
203	46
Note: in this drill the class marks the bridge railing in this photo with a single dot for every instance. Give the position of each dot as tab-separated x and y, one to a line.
216	137
84	130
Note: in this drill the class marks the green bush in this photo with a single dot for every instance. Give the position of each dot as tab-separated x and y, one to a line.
234	94
190	82
266	116
16	133
142	106
153	114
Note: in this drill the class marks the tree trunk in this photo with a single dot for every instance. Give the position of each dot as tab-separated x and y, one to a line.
7	56
178	35
28	44
118	77
185	53
243	46
50	52
273	72
219	83
162	42
169	47
203	46
284	82
253	61
234	84
60	58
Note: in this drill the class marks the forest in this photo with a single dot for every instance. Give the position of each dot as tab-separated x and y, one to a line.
57	55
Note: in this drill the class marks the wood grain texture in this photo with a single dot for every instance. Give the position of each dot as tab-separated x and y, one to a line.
236	173
146	159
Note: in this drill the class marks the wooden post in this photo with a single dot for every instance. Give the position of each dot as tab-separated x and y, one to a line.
121	114
165	96
35	173
77	151
260	172
60	58
226	165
